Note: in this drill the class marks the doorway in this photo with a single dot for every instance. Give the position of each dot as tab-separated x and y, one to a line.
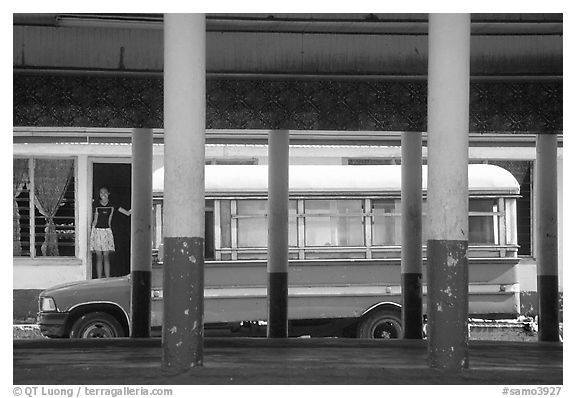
117	177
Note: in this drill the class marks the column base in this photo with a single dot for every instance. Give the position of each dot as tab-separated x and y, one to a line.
183	326
412	306
548	319
140	303
278	304
447	304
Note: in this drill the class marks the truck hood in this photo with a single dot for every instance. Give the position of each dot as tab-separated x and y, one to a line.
114	291
88	284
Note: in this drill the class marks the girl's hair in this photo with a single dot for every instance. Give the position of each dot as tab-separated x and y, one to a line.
104	187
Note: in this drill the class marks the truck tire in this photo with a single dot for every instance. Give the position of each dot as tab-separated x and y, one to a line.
380	324
96	325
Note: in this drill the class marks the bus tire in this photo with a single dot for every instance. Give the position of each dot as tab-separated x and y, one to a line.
380	324
96	325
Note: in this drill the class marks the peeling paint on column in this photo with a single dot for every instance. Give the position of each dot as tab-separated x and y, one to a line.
183	302
447	195
184	196
451	261
448	304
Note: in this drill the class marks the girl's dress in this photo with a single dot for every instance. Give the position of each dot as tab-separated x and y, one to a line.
101	237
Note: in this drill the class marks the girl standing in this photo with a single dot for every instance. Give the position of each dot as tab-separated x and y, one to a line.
101	237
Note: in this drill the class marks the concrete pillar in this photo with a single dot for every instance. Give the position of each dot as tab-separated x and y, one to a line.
447	213
278	154
141	220
184	141
411	265
547	236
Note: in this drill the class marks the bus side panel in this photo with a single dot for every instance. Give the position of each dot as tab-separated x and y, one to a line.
345	273
235	308
493	271
237	291
494	305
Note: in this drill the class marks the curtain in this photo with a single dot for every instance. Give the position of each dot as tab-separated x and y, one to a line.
51	178
20	170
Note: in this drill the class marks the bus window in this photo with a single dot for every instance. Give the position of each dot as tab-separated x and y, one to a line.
225	223
387	227
157	231
334	222
252	223
252	229
209	230
483	221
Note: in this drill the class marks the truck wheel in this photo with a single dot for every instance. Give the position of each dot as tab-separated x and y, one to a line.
96	325
381	324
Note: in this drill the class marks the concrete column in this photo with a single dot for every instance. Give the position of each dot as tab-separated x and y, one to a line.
141	220
278	154
447	213
547	236
411	265
184	141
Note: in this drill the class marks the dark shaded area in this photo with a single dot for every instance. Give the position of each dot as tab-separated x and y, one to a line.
117	177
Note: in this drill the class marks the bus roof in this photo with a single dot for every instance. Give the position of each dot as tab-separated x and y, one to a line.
338	179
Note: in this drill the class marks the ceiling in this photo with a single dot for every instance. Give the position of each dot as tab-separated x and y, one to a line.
367	23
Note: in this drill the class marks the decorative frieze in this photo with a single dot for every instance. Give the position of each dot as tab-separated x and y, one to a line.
44	100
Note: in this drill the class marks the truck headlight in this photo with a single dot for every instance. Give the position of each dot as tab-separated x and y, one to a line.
47	304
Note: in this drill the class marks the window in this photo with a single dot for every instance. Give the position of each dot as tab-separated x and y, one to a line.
44	222
483	222
157	232
327	228
387	222
252	227
252	223
522	171
334	222
225	223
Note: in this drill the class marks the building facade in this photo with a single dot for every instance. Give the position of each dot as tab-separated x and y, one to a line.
345	85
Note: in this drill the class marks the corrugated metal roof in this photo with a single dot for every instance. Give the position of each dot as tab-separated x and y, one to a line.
316	44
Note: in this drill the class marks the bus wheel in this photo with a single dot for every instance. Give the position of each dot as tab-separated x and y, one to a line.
96	325
382	324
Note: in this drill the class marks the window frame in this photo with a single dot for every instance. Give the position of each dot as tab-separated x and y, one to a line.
498	220
333	212
235	227
369	250
32	240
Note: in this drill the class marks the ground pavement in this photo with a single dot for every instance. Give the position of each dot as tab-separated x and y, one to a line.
281	361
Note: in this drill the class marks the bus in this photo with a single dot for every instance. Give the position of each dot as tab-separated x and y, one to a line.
344	255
